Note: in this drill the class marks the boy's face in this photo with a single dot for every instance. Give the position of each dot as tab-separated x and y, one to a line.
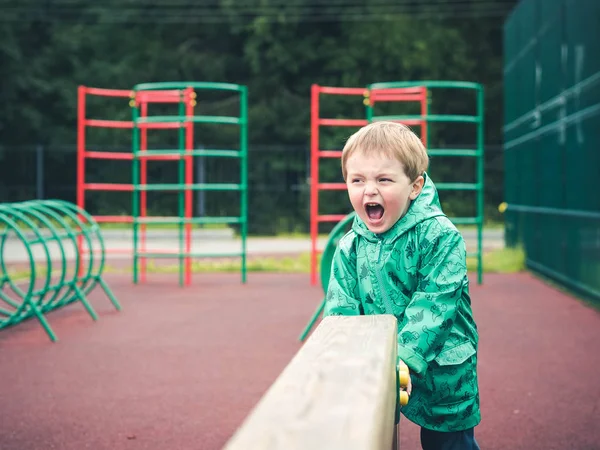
379	190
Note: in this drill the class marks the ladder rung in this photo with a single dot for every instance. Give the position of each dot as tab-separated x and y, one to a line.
464	220
330	153
457	186
108	155
332	186
452	152
343	122
331	217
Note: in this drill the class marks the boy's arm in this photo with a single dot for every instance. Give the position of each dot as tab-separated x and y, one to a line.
432	309
342	296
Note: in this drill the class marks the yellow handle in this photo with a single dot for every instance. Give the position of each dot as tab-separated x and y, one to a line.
403	398
403	377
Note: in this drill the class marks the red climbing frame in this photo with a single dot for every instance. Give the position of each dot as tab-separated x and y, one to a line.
416	94
142	99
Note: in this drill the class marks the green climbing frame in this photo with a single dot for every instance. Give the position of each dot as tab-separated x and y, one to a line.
477	152
185	117
478	187
53	271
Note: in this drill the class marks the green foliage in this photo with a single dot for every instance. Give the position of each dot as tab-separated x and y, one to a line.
105	44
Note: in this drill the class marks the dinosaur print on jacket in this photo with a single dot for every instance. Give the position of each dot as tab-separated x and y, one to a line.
417	271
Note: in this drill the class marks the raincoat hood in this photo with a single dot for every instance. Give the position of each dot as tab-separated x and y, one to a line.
425	206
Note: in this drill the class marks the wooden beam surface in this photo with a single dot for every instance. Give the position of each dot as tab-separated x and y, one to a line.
338	392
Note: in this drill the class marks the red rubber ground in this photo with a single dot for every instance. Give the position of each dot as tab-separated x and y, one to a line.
180	368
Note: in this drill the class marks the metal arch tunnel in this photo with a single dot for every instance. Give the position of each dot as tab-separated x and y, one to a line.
50	280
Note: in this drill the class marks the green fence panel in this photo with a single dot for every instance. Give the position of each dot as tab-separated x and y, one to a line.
552	163
64	259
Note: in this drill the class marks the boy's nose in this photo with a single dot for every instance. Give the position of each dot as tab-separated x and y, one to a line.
371	189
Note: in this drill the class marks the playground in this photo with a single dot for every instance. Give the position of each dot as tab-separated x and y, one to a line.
182	368
139	362
170	298
143	363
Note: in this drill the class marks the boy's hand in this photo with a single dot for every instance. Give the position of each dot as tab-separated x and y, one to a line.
404	383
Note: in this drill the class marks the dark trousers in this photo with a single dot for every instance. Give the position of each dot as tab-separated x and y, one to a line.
454	440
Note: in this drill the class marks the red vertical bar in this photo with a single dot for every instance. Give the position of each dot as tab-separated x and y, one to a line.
80	165
314	180
143	193
424	113
190	101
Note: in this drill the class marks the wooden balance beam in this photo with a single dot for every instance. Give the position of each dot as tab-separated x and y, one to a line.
338	392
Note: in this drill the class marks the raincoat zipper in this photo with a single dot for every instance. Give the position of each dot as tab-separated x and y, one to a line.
386	300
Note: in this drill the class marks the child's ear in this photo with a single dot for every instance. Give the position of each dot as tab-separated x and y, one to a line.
417	187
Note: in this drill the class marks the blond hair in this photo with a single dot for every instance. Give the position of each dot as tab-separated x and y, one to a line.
392	140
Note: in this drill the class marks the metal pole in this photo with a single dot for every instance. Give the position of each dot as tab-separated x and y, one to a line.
201	177
480	182
39	172
135	177
244	176
182	187
314	181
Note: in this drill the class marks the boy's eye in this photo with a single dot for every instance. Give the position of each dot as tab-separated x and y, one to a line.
356	180
384	179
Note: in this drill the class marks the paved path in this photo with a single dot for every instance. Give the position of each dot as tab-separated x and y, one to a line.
15	252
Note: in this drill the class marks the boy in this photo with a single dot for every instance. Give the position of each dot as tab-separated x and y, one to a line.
404	257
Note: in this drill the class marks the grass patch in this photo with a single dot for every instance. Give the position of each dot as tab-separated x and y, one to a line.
288	264
487	226
498	261
506	260
19	275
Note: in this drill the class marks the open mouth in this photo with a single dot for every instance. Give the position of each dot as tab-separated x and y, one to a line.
374	211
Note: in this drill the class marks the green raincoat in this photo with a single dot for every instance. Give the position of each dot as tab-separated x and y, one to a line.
417	272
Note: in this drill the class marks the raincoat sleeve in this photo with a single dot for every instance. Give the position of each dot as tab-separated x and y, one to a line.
432	310
342	294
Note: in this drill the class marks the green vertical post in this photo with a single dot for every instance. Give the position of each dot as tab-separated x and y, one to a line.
182	187
135	177
480	182
369	107
244	175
